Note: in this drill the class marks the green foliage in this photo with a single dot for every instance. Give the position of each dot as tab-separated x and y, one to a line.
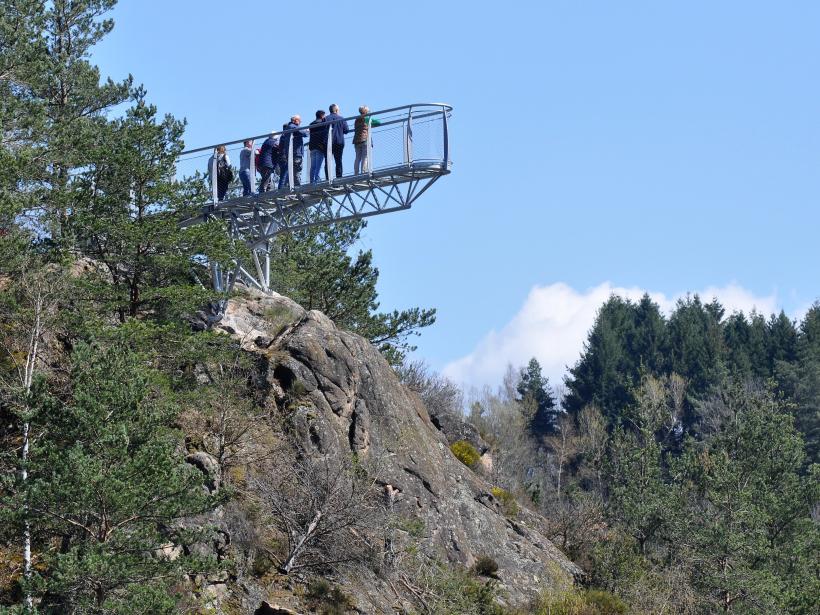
748	511
466	453
508	502
279	317
127	206
588	602
536	396
328	599
314	268
458	591
107	478
625	339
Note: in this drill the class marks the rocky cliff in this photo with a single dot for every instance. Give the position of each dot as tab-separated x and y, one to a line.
349	402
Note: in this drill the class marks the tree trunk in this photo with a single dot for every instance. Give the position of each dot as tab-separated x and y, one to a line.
297	549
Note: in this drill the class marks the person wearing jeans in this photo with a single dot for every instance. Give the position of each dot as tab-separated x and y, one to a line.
338	130
318	146
298	138
245	168
361	135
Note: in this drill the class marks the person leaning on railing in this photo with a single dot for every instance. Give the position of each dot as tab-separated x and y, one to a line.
245	167
268	159
318	146
224	173
361	131
338	130
298	137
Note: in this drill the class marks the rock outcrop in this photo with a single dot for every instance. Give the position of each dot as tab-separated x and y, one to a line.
351	401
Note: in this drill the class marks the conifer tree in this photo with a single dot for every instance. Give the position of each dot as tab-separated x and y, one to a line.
749	506
75	101
695	349
535	394
126	207
106	487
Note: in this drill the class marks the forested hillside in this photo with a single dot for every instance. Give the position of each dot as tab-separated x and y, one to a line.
153	461
681	472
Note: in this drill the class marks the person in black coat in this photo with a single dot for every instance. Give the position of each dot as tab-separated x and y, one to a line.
318	146
268	158
338	130
298	144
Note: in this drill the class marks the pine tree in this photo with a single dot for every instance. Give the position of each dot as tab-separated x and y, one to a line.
696	350
75	101
107	486
125	211
748	512
782	340
800	382
626	341
535	394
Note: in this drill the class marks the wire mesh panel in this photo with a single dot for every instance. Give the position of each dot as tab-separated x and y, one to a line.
405	153
403	136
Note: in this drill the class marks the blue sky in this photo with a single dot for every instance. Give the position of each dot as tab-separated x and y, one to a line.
597	146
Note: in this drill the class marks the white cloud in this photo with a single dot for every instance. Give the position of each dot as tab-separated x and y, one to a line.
553	324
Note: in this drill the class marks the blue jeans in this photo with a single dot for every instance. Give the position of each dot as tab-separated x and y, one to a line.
297	172
245	176
317	157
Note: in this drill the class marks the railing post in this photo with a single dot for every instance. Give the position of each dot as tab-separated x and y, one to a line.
408	138
216	277
329	153
252	170
446	138
214	167
290	162
369	160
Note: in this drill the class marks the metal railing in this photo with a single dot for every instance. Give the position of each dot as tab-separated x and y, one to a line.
405	136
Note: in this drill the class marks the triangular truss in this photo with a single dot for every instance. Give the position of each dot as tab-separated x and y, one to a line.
257	219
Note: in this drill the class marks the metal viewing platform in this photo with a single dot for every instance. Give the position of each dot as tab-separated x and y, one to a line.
407	151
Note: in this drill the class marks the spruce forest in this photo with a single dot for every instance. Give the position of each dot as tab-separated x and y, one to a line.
152	465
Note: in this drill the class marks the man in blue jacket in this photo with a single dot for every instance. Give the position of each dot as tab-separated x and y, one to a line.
298	137
338	130
268	157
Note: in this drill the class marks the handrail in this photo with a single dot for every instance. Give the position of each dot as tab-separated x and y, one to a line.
443	108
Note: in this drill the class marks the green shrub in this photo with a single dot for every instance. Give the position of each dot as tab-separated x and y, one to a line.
485	566
279	317
455	590
466	453
507	500
328	599
588	602
606	603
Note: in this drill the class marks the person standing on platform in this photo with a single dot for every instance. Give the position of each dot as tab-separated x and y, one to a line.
224	173
361	134
245	168
318	146
268	157
298	138
338	130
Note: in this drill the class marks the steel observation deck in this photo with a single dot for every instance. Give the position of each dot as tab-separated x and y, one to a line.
407	152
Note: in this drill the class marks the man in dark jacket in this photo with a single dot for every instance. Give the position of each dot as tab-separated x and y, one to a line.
318	146
268	158
298	146
338	130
